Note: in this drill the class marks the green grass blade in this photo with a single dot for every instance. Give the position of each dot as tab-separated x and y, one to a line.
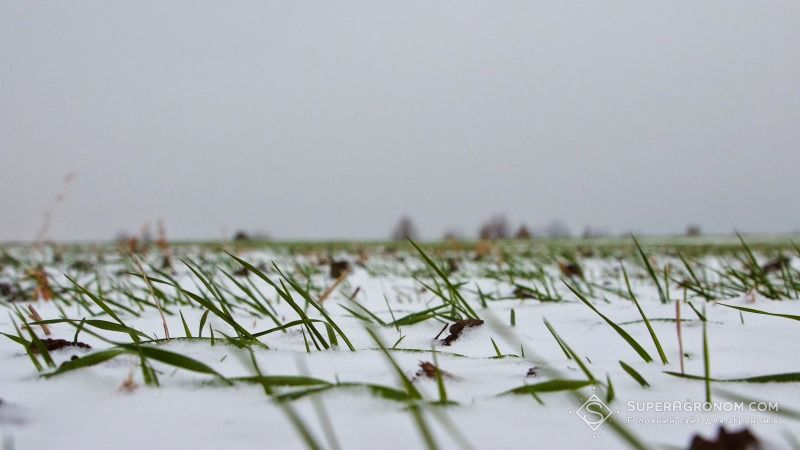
550	386
650	330
634	374
624	334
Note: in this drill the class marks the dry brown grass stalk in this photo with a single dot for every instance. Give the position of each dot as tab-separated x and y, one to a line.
333	287
37	318
152	292
680	335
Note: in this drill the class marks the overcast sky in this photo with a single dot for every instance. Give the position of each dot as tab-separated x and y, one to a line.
332	119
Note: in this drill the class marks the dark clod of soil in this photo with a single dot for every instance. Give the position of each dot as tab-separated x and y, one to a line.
338	268
570	269
452	265
738	440
81	266
457	328
522	292
428	370
57	344
6	289
776	265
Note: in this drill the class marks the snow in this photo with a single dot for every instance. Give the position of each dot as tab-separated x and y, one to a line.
88	409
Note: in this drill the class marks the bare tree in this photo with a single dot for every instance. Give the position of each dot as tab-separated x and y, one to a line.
496	227
693	230
241	236
590	232
523	233
405	229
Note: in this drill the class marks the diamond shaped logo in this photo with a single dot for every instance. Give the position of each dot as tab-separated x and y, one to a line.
594	412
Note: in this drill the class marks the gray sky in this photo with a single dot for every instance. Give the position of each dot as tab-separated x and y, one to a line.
332	119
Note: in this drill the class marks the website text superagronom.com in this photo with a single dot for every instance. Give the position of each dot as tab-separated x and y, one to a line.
678	406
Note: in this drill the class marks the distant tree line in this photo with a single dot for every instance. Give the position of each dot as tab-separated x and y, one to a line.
498	227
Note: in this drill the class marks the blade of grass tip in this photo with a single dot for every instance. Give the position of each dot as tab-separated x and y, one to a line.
185	325
700	315
568	351
203	319
624	334
481	297
561	344
391	313
496	349
610	390
331	335
78	331
305	339
650	330
650	270
758	311
634	374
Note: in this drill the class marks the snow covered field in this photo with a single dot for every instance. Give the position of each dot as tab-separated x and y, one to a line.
348	357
